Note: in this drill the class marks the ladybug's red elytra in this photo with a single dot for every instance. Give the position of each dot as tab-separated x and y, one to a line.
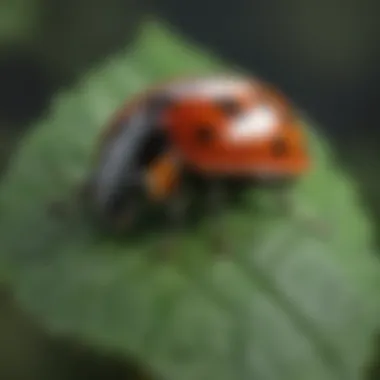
227	126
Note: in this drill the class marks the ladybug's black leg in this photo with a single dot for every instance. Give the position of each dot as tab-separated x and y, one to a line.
175	213
217	201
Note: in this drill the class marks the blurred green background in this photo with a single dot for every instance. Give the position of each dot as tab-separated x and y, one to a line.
324	54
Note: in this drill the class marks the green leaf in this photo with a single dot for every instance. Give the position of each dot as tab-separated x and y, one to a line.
287	304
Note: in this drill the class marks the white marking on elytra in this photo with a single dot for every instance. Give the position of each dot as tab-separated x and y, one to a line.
213	87
259	123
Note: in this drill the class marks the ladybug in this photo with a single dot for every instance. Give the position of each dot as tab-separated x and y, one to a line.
221	130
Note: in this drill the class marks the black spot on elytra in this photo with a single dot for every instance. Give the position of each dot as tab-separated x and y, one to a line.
230	107
204	134
279	147
155	144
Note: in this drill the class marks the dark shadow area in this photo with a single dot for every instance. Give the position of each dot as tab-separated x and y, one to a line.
26	87
373	370
198	197
79	34
83	363
74	37
28	353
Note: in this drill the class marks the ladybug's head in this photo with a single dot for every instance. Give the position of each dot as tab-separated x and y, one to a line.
133	171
